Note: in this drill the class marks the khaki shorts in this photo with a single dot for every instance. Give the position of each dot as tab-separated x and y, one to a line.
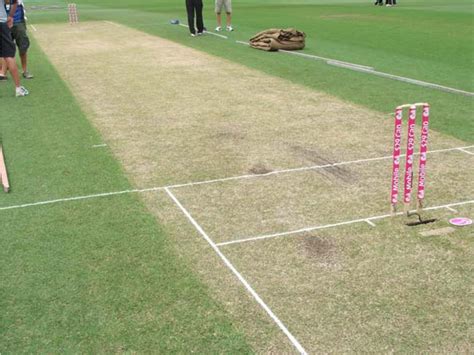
227	4
21	38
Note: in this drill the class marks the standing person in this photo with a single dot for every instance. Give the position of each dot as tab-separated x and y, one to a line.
194	7
227	4
20	37
7	47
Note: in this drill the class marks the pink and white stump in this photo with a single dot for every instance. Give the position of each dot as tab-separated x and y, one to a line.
410	152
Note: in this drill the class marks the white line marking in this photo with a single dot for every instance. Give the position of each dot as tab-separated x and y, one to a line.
465	151
327	60
209	32
112	23
239	177
326	226
313	167
241	42
76	198
99	145
452	209
370	70
249	288
404	79
34	28
370	223
217	34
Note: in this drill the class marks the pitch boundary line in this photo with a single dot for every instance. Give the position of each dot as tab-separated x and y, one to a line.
212	181
327	226
207	32
239	276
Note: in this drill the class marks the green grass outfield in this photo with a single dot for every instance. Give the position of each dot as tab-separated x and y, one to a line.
90	277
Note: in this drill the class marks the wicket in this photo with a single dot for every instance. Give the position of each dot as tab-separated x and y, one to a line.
73	17
397	140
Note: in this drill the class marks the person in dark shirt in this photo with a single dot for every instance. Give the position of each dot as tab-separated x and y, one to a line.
7	47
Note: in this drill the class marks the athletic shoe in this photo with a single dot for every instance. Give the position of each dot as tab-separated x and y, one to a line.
27	75
200	33
218	28
229	28
3	78
193	35
21	91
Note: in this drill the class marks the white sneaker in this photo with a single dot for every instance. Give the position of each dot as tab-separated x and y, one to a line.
218	28
21	91
229	28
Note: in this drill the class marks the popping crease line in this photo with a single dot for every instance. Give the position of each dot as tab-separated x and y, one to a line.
327	226
465	151
238	177
239	276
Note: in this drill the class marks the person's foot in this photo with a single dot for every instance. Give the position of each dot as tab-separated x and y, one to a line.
229	28
27	75
218	28
21	91
3	78
193	35
200	33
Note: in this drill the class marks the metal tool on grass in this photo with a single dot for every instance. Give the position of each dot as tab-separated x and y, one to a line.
3	171
410	153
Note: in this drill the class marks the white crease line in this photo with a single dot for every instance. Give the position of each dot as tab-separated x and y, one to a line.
465	151
404	79
249	288
326	226
77	198
99	145
238	177
369	222
313	167
452	209
327	60
370	70
112	23
34	28
208	32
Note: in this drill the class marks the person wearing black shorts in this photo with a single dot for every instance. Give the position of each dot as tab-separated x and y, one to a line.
7	47
194	7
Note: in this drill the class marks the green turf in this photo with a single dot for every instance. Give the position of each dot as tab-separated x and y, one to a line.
93	276
424	40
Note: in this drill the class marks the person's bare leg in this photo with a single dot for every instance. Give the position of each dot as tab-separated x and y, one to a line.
11	65
229	19
219	20
3	67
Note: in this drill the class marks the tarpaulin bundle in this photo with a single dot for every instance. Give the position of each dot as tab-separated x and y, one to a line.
275	39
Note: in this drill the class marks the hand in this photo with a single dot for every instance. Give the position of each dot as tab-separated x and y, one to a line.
10	22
